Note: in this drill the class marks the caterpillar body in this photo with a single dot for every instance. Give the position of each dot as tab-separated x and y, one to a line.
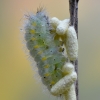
45	48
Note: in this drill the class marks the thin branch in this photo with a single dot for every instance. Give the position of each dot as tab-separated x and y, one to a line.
73	9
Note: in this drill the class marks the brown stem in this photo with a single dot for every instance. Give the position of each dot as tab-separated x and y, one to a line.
73	9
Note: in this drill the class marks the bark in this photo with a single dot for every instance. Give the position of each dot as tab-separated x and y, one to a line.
73	9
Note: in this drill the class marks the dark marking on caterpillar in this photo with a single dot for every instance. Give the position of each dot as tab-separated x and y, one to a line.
63	50
55	68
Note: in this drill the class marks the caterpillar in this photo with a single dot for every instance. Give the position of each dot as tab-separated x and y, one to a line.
64	85
53	44
45	47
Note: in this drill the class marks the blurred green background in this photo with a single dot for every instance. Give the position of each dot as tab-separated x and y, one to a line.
16	74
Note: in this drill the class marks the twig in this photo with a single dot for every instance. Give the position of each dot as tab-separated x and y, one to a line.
73	9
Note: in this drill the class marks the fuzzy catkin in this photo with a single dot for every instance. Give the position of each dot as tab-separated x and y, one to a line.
70	94
44	48
68	68
62	27
63	85
71	43
54	22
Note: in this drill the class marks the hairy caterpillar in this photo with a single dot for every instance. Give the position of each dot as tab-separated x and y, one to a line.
70	94
45	39
45	48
